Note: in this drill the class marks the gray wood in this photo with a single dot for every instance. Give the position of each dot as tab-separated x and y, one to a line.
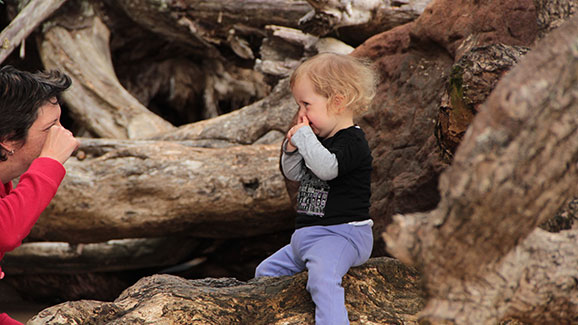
30	17
160	188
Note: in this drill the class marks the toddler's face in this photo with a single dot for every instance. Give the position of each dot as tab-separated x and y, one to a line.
314	107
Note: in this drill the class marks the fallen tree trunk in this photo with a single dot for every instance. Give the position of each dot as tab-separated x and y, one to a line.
514	169
372	294
204	25
161	188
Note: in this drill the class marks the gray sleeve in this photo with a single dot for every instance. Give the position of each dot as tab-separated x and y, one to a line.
292	164
317	158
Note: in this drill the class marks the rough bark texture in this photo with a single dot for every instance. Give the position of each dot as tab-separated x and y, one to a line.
358	20
553	13
515	168
158	188
471	80
415	61
382	291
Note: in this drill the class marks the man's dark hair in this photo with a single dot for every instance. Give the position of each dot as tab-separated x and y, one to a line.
21	95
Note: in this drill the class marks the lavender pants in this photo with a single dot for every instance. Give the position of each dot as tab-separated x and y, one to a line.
327	252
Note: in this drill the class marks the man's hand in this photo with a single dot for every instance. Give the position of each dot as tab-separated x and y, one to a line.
303	121
59	144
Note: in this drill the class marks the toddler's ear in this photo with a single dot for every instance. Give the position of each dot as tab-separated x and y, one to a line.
339	102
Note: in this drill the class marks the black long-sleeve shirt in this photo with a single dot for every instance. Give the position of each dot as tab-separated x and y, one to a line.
335	176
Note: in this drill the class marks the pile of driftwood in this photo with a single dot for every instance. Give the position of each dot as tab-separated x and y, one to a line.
474	137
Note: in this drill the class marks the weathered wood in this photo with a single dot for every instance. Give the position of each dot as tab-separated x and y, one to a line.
284	48
367	17
514	169
566	218
30	17
160	188
273	113
203	25
382	291
113	255
243	126
553	13
96	99
472	79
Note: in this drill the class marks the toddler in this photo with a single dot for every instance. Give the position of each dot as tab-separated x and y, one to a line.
330	157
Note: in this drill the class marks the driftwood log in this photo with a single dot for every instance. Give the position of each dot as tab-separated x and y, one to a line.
217	193
382	291
109	256
482	257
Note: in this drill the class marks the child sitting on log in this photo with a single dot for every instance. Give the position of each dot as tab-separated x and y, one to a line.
330	157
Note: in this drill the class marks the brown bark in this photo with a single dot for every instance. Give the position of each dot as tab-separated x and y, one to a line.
553	13
471	80
515	168
373	296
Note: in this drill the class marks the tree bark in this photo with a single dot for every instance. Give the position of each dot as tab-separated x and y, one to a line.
514	169
203	25
471	81
172	300
364	18
159	188
553	13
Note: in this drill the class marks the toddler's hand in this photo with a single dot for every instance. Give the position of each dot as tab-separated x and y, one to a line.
59	145
303	121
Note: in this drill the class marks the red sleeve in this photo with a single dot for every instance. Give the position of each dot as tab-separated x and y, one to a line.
21	207
6	320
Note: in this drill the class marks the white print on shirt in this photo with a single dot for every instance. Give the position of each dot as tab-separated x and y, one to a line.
312	196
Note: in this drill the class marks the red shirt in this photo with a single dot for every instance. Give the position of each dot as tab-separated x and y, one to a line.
21	207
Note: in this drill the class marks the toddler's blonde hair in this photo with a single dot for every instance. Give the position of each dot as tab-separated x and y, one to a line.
335	74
